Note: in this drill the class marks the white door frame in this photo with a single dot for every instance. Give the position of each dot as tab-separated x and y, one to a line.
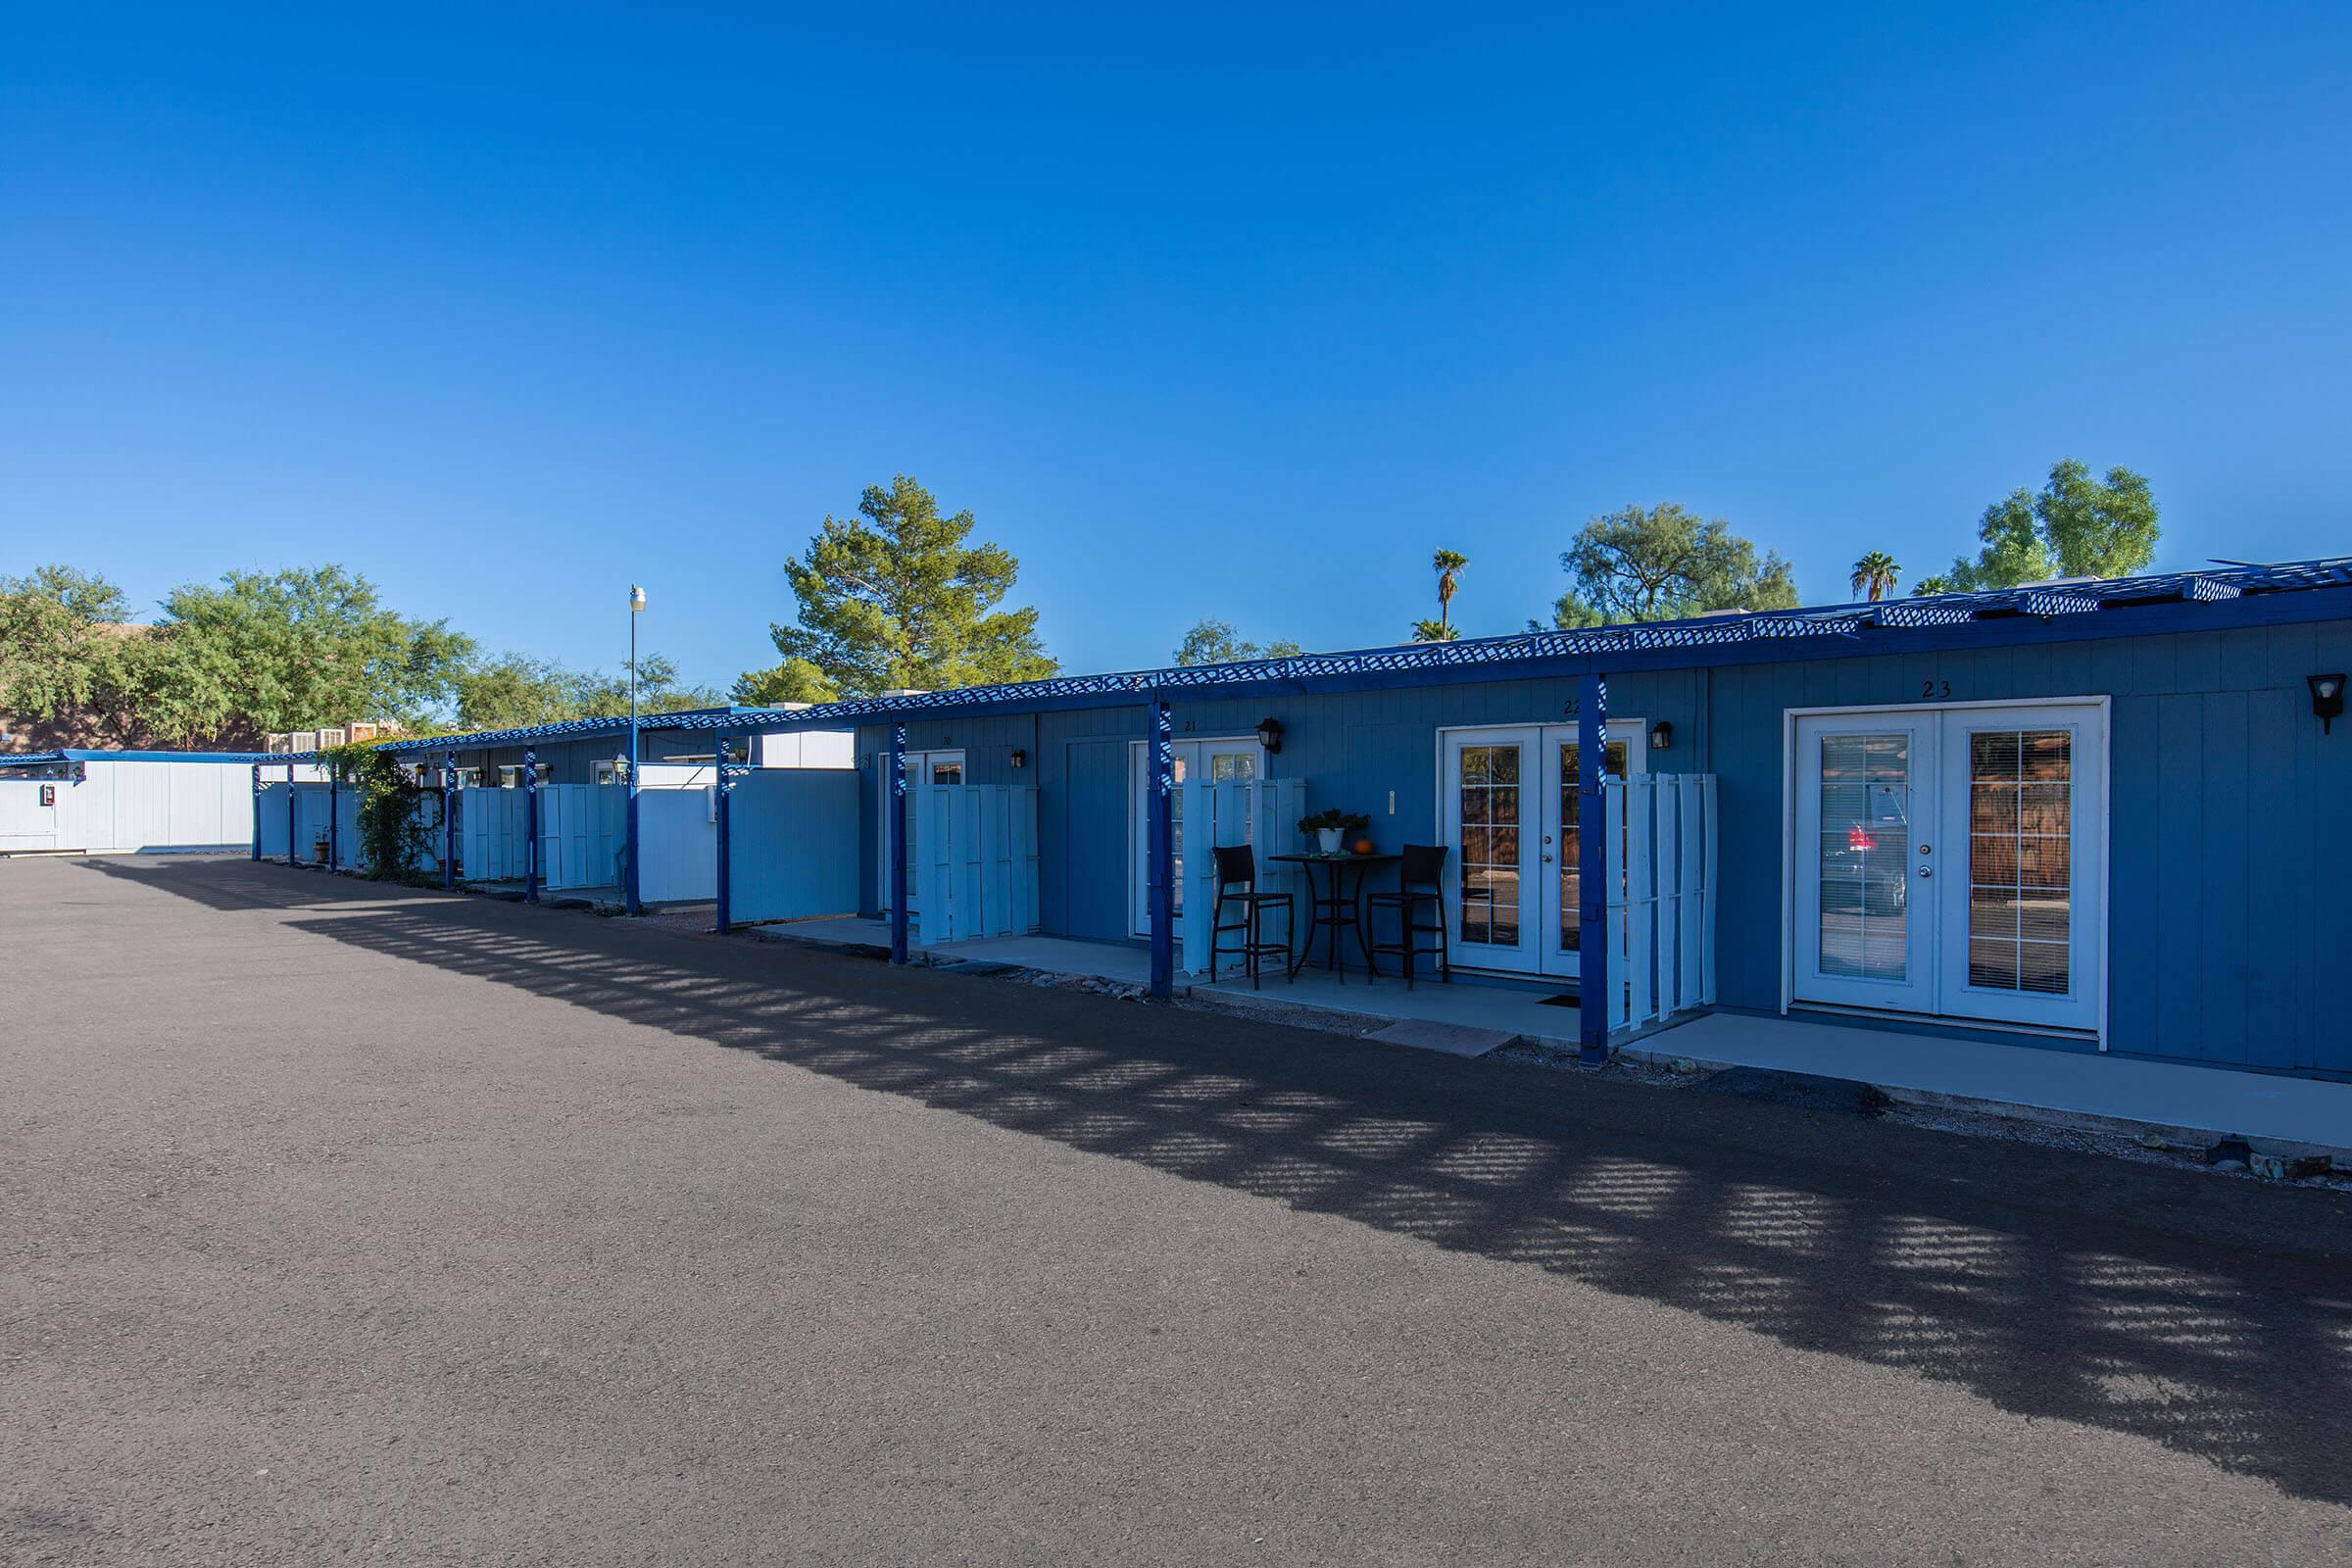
1139	849
1538	889
2092	838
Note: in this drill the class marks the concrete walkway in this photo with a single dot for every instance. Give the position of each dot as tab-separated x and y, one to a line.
2183	1102
2188	1101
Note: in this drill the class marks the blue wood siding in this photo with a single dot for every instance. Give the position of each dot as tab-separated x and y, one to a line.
2229	843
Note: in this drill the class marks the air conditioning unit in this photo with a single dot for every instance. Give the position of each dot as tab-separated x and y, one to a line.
329	736
364	732
509	776
306	740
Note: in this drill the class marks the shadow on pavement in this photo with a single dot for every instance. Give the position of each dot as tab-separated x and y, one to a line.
2209	1315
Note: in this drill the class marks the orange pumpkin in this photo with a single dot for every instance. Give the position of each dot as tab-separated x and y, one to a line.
1363	845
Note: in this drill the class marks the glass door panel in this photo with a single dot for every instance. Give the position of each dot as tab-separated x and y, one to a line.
1863	784
1486	795
2023	790
1951	863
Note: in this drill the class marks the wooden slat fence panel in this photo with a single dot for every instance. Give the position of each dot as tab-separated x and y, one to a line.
975	870
1662	901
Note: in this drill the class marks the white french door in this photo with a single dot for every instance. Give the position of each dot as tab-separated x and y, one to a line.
1509	811
1951	863
922	767
1229	760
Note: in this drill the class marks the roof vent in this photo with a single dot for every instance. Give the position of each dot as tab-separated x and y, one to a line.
905	691
2060	582
1710	614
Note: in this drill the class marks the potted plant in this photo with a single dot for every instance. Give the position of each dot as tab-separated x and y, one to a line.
1332	827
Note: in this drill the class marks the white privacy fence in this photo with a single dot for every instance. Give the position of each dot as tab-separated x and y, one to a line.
1263	813
123	804
972	860
1662	909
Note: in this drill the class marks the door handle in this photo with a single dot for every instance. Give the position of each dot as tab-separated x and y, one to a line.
1927	870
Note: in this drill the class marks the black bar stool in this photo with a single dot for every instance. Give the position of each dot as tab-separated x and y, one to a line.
1236	885
1420	878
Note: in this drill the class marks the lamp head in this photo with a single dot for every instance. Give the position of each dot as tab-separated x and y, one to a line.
636	599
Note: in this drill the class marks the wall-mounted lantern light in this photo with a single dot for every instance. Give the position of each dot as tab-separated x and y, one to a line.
2327	699
1661	736
1020	760
1269	736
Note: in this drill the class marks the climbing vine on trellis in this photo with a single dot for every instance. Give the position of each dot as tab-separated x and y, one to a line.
393	832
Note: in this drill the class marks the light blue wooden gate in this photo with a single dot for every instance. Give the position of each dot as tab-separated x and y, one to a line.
977	871
1265	814
792	844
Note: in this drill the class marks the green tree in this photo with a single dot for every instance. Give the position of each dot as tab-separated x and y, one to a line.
1449	565
1215	642
2074	527
1435	631
517	691
1658	563
897	596
796	680
1875	574
289	649
67	650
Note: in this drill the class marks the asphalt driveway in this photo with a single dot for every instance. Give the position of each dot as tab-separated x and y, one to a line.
348	1224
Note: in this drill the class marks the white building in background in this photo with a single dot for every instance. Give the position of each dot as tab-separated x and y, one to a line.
77	802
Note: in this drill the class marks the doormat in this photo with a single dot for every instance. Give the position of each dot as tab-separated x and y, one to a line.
1566	999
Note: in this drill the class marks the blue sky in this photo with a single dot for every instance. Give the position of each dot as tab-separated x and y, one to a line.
1230	312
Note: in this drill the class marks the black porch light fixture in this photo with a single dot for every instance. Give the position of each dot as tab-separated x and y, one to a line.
2327	699
1661	736
1269	736
1020	758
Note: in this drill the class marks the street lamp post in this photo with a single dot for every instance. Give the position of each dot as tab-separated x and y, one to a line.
630	896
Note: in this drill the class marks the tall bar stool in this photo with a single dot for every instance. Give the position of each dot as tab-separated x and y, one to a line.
1236	889
1420	892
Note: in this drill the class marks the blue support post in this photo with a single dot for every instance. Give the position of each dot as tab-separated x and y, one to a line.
449	820
334	814
530	825
726	806
631	883
896	828
1161	803
290	826
1595	983
257	810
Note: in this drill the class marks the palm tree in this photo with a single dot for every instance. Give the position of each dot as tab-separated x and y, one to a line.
1449	565
1433	631
1876	571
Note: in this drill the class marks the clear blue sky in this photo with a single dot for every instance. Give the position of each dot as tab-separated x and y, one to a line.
1228	313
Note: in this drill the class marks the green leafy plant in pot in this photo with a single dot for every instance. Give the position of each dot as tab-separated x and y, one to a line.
1332	827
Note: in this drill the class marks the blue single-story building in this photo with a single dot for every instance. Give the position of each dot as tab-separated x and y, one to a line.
2099	815
2105	815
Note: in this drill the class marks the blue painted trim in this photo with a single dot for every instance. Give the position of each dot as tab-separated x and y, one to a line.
530	825
449	819
897	829
1161	804
334	821
1595	984
290	861
75	754
2126	608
